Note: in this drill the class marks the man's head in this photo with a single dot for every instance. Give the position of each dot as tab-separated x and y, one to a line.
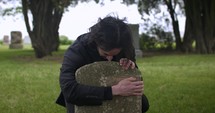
108	54
111	33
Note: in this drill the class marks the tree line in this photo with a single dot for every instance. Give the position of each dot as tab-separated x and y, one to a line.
47	15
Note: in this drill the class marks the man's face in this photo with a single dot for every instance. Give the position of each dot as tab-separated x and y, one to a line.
109	54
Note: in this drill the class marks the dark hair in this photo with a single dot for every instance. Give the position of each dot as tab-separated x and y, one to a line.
112	32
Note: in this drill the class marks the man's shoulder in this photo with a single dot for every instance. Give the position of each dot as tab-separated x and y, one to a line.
83	38
80	41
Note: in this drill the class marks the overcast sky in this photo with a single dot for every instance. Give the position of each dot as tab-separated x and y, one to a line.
78	19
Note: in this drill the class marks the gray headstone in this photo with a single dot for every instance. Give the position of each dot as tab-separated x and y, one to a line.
136	39
6	40
16	40
27	40
108	73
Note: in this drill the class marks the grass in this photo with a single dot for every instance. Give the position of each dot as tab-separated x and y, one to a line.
29	85
179	83
173	83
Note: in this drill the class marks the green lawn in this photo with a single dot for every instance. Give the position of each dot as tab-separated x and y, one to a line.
173	83
179	83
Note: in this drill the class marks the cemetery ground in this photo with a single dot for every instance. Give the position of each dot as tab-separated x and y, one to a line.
173	83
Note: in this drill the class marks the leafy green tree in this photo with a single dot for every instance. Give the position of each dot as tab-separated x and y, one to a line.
1	42
164	39
146	6
156	38
147	42
200	24
64	40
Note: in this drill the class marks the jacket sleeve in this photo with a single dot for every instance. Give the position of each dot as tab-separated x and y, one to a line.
74	92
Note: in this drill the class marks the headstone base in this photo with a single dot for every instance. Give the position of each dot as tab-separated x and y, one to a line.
138	53
16	46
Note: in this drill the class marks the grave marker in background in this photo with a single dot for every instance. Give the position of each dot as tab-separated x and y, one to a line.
27	40
136	39
16	40
6	40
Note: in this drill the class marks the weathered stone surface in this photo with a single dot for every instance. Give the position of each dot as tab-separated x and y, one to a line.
136	38
6	40
16	40
106	73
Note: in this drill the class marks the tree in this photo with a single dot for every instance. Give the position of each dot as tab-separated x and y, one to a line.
11	10
200	24
171	4
46	16
146	5
200	19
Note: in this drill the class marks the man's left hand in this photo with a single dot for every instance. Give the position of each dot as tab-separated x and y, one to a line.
126	63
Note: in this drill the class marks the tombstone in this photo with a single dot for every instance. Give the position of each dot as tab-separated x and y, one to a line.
16	40
6	40
27	40
108	73
136	39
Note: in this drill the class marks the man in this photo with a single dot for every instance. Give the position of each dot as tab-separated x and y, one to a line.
108	40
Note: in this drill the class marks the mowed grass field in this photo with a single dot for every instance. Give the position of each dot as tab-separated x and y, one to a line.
173	83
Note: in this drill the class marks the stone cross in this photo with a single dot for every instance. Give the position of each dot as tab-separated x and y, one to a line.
16	40
136	39
108	73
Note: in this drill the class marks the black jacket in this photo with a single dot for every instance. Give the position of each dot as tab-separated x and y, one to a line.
79	54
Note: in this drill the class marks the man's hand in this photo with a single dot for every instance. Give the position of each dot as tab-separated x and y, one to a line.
128	87
126	63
